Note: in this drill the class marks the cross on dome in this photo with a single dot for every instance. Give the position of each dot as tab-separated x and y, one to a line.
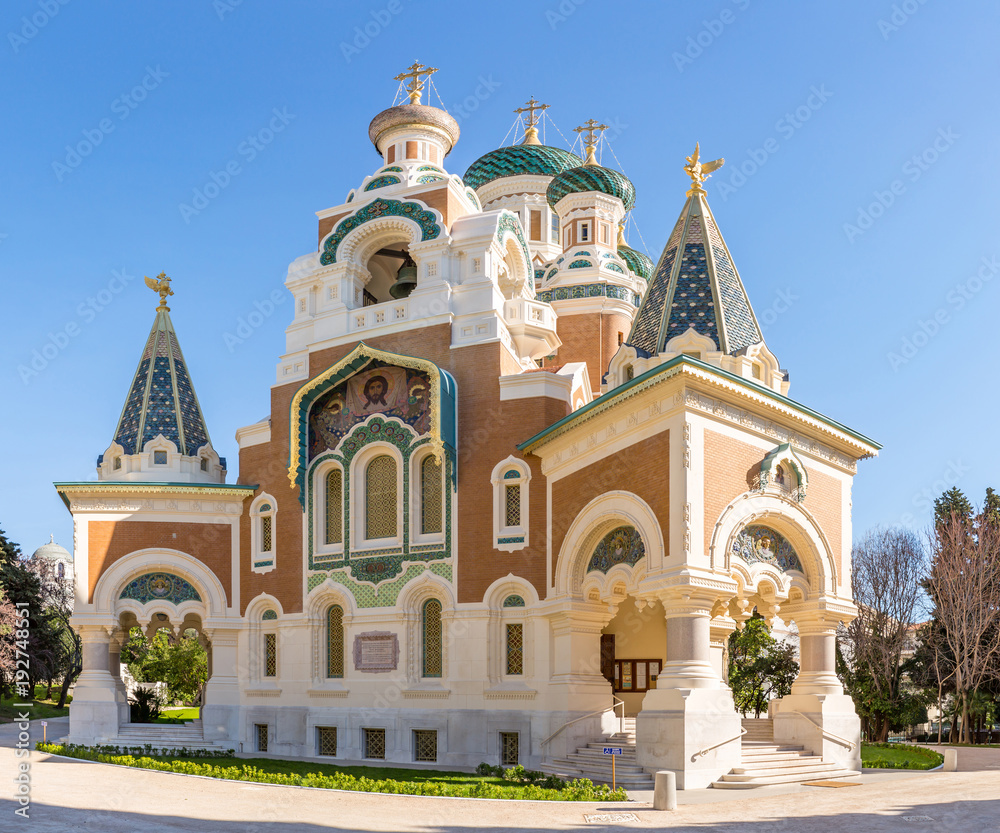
530	120
590	127
413	74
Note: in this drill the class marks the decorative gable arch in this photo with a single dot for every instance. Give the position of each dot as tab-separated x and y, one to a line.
771	471
413	216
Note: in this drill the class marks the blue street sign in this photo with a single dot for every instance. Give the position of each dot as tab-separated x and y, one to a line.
612	750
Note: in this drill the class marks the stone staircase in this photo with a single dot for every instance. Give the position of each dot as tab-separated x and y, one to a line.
188	735
765	762
590	761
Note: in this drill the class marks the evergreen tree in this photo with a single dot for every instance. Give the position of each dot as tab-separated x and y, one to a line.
952	502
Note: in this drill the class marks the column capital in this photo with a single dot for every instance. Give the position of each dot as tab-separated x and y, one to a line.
687	600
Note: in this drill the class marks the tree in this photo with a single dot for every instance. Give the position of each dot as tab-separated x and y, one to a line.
952	503
181	664
760	667
964	585
57	595
8	626
887	570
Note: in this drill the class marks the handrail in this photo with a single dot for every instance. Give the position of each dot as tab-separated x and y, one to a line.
621	724
708	749
826	733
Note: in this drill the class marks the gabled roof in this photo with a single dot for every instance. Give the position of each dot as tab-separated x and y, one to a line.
695	284
162	399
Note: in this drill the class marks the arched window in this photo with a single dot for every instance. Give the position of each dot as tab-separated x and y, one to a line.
381	499
431	496
262	535
334	500
510	504
335	641
61	570
433	644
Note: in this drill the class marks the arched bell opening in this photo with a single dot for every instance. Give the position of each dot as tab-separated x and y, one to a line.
393	273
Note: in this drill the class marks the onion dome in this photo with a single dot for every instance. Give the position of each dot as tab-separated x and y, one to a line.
52	551
637	261
591	178
414	115
519	160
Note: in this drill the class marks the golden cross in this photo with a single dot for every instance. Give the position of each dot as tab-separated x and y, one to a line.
530	131
413	73
590	127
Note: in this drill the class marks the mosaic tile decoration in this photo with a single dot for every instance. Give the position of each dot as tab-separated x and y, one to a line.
382	182
762	545
429	227
383	595
393	169
519	160
579	264
512	539
269	616
473	199
613	267
162	399
160	587
513	601
693	303
423	179
512	474
539	275
509	223
428	168
591	178
647	321
591	290
622	545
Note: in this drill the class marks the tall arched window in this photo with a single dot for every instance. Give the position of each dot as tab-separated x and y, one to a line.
381	500
262	533
433	643
335	641
334	507
510	504
431	496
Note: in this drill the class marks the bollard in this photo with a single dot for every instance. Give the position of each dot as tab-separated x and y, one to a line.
665	790
950	760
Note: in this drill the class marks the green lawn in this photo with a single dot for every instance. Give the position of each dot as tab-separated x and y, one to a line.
179	715
898	756
40	709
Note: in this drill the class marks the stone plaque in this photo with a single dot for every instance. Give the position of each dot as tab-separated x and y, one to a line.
376	652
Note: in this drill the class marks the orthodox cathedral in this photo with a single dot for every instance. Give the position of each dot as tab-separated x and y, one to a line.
517	487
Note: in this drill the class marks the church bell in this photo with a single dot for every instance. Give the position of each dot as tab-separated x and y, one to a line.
406	279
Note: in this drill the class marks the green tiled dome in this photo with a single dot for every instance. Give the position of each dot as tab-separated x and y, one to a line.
637	261
591	178
519	160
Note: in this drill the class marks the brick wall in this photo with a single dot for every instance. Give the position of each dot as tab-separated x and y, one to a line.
729	468
109	541
591	338
824	499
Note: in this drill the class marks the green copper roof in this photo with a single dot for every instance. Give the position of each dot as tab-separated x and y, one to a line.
519	160
637	261
591	178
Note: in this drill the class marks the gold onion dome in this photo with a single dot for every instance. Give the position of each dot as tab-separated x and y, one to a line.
414	115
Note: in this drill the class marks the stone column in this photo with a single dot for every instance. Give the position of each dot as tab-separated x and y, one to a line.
221	709
688	723
118	639
722	628
94	715
817	714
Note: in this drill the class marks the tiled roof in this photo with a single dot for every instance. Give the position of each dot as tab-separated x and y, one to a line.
519	160
637	261
162	399
591	178
695	284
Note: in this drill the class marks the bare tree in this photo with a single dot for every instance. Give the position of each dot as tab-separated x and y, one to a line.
57	593
964	585
888	566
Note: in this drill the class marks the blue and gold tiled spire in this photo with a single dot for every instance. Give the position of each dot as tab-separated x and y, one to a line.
695	284
162	399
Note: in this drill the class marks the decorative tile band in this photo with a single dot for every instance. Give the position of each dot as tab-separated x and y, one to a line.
592	290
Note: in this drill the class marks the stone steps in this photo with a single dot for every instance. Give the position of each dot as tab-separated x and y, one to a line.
765	763
793	775
163	736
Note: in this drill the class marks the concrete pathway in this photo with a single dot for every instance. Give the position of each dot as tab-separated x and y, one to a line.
71	795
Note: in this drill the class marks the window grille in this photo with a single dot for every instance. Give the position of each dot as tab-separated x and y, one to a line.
433	647
334	507
118	462
265	533
326	740
261	731
335	642
425	745
270	655
374	742
204	464
509	748
381	499
430	495
515	648
512	504
159	458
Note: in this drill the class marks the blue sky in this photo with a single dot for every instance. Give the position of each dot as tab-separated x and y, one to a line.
858	198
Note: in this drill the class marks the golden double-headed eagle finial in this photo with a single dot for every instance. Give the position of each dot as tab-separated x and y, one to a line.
161	284
700	171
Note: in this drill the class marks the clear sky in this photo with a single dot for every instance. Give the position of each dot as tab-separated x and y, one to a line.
859	196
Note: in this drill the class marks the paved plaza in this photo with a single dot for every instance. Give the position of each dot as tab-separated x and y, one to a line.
70	795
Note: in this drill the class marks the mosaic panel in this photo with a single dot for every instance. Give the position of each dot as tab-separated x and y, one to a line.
762	545
429	227
382	595
591	290
614	267
622	545
392	169
513	601
580	264
162	586
269	616
513	539
382	182
508	222
473	199
426	178
430	168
